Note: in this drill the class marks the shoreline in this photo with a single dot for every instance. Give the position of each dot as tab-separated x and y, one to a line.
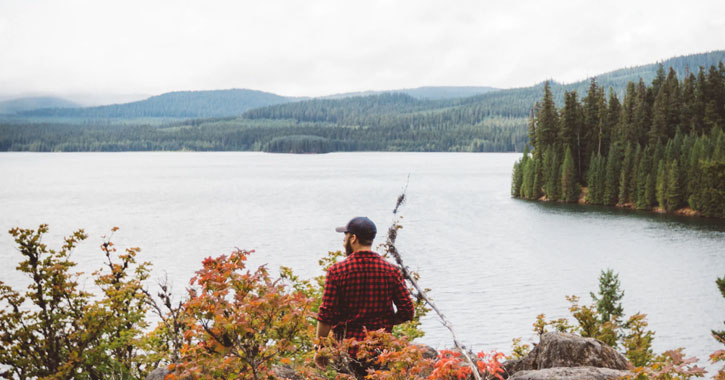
683	211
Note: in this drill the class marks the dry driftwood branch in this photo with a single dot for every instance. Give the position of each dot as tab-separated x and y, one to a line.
393	251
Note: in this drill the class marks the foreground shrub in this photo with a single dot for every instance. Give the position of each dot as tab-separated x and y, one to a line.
240	322
55	330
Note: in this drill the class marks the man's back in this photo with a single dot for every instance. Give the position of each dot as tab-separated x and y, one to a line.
359	294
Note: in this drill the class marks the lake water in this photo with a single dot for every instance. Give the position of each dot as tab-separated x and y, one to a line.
493	262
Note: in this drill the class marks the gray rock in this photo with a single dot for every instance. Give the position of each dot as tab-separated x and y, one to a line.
158	373
568	350
285	372
428	351
570	373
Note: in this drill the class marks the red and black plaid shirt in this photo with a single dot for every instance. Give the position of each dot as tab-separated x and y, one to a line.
359	294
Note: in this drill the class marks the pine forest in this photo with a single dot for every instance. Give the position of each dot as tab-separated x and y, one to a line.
661	148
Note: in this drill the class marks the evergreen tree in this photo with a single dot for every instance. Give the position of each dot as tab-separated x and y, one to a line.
687	117
528	181
551	173
673	191
674	103
642	113
634	175
661	181
611	176
547	121
658	131
625	176
531	126
609	303
538	178
570	121
659	78
517	179
642	186
650	192
588	134
625	127
720	335
570	189
595	192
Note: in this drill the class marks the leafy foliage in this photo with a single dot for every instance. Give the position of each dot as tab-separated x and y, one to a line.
241	322
55	330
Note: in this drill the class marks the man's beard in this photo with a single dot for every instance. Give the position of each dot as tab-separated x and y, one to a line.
348	248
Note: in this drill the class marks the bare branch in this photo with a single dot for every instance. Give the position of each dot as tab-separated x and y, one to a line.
393	251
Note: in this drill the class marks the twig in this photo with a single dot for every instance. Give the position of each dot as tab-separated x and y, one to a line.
392	250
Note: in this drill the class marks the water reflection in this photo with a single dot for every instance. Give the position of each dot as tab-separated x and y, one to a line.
670	220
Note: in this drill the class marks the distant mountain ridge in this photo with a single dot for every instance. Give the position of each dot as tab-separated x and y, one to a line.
181	104
426	92
215	103
515	102
30	103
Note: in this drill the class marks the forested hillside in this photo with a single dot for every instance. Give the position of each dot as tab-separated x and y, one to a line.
661	147
428	92
490	122
184	104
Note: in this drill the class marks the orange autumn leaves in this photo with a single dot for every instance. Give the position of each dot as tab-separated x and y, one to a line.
241	321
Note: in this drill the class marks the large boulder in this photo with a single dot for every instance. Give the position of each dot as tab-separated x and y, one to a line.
557	349
570	373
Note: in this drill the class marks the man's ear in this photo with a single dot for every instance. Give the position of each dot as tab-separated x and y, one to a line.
352	239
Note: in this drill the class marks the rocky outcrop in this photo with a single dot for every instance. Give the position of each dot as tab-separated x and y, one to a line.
570	373
568	356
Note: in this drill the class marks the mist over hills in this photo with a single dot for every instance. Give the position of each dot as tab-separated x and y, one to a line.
30	103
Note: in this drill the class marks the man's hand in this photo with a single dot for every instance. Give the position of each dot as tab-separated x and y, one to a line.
321	360
323	329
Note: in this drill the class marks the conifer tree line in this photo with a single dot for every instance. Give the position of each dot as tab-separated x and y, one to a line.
661	147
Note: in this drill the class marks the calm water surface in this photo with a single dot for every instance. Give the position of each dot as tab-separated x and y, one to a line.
493	262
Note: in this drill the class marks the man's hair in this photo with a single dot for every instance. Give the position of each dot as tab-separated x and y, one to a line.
364	241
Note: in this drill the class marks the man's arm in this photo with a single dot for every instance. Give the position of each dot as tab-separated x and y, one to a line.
329	310
402	301
323	329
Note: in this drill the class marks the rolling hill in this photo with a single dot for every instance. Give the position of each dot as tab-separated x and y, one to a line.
182	104
14	106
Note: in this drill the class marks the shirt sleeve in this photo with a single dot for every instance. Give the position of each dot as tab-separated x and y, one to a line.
402	300
329	312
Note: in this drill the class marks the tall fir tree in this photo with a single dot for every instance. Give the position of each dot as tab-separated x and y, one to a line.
687	109
625	127
625	175
517	179
643	169
661	185
673	190
538	178
609	301
570	120
528	180
611	176
547	121
642	113
569	186
551	173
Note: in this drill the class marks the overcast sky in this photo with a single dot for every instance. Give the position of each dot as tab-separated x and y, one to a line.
320	47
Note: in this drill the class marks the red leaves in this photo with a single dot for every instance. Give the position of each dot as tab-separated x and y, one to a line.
239	321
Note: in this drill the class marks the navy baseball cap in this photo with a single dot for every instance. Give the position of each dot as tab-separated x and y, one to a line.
361	226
